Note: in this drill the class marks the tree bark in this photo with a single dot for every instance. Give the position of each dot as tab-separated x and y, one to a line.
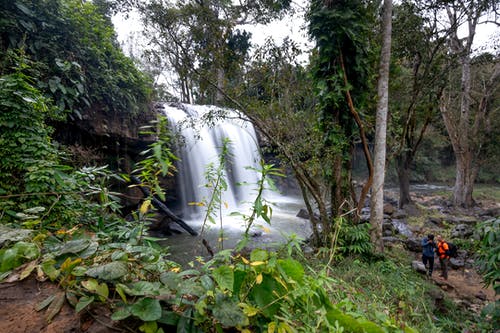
403	169
377	198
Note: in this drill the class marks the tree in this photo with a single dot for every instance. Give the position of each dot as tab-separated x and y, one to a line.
342	70
78	62
377	198
463	123
418	79
201	41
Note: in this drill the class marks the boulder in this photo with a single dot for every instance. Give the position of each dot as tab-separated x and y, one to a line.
457	263
303	214
389	209
413	244
462	231
418	266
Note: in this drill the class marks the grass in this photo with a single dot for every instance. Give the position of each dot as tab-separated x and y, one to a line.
390	290
486	192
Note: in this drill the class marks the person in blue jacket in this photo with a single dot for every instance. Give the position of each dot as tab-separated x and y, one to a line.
428	250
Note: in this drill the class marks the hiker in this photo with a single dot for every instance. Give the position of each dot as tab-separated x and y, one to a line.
443	254
428	247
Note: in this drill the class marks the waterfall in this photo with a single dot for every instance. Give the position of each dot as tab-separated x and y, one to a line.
202	145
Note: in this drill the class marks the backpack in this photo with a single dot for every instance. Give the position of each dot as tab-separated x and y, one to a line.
452	250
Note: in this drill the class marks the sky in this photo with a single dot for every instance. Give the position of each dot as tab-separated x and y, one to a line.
278	30
487	36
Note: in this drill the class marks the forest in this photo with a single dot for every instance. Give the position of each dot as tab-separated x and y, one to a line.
384	131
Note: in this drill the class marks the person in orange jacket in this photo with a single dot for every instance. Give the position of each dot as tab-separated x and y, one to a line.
443	254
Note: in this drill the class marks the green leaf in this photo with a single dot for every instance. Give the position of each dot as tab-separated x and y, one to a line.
264	295
74	246
143	288
147	309
224	277
228	313
55	306
90	250
83	303
149	327
43	304
121	314
110	271
48	268
292	269
258	255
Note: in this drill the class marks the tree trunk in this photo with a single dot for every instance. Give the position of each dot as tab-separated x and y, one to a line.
464	181
403	169
377	198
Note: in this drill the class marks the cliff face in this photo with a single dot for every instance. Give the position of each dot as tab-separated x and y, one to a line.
111	138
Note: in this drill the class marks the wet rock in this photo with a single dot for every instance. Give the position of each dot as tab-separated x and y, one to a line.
303	214
402	228
388	229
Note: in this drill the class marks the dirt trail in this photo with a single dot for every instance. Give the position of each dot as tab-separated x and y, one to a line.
466	288
18	301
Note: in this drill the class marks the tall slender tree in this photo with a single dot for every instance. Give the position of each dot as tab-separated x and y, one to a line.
377	198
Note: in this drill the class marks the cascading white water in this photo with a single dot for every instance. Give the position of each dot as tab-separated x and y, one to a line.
203	146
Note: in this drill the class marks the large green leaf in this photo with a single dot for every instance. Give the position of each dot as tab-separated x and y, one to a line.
110	271
142	288
74	246
265	294
292	269
12	235
224	276
259	255
147	309
228	313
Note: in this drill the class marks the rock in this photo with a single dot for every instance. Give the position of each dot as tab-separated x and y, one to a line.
413	245
388	209
481	295
456	263
303	214
462	220
462	231
495	211
401	227
391	239
388	226
399	214
436	220
418	266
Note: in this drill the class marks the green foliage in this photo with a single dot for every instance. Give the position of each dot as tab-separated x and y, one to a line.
79	64
158	159
216	181
354	239
200	41
489	253
260	207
